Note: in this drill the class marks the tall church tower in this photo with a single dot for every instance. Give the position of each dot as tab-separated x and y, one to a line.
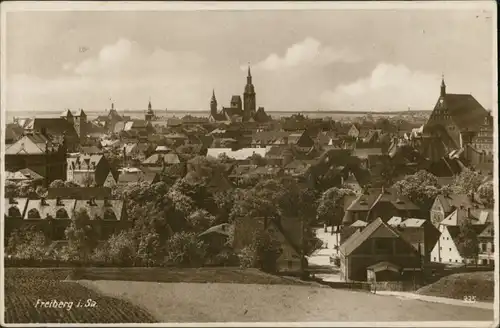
443	87
149	114
249	106
213	105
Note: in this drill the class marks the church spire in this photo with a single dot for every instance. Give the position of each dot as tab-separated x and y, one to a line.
214	100
249	76
149	104
443	86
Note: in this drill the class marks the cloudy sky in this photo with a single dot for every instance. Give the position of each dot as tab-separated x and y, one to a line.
301	60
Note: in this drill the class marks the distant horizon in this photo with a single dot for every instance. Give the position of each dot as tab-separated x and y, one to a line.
379	60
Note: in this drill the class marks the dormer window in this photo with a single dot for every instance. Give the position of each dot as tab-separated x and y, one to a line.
33	214
62	214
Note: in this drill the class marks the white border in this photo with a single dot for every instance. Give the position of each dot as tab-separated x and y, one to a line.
196	6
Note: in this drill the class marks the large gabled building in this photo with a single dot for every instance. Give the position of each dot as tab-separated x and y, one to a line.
458	120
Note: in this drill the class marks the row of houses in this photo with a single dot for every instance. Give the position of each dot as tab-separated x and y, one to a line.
56	211
386	237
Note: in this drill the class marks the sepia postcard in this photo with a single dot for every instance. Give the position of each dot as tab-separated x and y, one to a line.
188	163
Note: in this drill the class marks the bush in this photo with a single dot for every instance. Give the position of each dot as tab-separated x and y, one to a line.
184	248
121	248
27	245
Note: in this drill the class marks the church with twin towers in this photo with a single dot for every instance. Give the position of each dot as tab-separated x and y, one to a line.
238	110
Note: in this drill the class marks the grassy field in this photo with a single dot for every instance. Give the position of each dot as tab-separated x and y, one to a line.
479	285
193	275
26	288
222	302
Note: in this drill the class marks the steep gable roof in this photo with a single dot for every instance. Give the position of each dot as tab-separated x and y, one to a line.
356	240
28	145
465	111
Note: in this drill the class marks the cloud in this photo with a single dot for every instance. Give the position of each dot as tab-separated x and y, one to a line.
308	52
388	87
128	58
123	71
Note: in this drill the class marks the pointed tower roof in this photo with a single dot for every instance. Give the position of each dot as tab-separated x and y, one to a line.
150	108
249	72
213	96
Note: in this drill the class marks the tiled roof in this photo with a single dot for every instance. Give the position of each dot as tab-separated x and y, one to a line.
98	208
31	174
29	144
18	203
15	176
79	193
49	207
395	221
413	223
165	158
240	154
84	162
465	111
452	200
365	202
359	224
488	231
351	244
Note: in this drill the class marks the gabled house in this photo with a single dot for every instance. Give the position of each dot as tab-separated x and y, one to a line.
420	233
487	245
88	170
444	205
288	233
381	203
39	154
380	251
354	131
446	250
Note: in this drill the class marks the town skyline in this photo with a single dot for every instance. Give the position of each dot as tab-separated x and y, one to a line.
178	58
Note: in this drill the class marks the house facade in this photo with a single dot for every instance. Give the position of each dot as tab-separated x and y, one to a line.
378	245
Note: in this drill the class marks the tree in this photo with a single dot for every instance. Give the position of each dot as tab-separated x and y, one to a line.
486	193
184	248
330	207
122	248
257	159
200	220
57	184
467	241
149	249
421	188
82	238
467	182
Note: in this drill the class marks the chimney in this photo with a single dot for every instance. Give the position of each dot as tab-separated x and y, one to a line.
468	213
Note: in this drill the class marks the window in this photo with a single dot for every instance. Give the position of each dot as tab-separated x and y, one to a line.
290	264
61	214
449	249
456	261
449	260
33	214
14	212
109	214
434	258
